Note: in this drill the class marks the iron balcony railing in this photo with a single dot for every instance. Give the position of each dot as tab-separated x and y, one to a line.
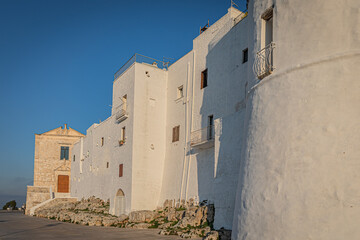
264	61
120	112
141	59
202	136
240	17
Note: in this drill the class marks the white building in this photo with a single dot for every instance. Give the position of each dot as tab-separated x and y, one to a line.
269	135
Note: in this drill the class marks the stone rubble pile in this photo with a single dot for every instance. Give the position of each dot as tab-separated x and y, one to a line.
184	219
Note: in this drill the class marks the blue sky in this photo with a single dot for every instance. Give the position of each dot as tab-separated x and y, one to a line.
57	60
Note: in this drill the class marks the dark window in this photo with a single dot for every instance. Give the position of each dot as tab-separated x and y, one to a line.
74	158
64	154
245	55
176	134
204	78
121	166
102	141
211	127
107	165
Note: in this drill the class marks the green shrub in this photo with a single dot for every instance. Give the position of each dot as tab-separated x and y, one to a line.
10	204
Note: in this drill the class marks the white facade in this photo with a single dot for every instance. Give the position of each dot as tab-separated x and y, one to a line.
276	155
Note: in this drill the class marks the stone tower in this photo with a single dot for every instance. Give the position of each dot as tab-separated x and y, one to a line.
301	159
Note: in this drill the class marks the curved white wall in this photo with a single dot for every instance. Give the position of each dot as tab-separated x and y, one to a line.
300	170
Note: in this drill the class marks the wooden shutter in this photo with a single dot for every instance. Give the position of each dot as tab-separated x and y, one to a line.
121	170
176	134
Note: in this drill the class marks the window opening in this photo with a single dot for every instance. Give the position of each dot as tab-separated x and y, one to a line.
245	55
211	127
180	92
176	134
121	166
204	78
64	153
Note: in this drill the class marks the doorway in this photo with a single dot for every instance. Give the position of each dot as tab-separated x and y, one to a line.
63	184
119	203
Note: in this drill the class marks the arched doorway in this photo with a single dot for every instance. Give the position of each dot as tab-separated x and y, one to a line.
119	203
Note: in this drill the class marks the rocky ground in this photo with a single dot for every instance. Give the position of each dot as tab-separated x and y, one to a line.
186	220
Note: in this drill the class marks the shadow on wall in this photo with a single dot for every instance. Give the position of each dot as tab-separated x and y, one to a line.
219	166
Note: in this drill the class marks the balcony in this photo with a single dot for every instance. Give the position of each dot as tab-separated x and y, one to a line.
203	138
141	59
264	61
121	113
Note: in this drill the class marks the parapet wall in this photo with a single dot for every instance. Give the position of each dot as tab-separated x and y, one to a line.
36	195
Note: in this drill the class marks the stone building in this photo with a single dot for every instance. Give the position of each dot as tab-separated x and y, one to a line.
52	165
261	118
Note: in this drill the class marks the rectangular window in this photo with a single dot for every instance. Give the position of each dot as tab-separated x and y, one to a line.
124	101
245	55
180	92
102	141
64	153
121	167
204	78
74	158
267	29
122	137
211	127
107	165
176	134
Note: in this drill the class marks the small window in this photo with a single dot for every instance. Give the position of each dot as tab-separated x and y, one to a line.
121	168
176	134
204	78
122	137
74	158
180	92
102	141
124	102
211	127
245	55
64	153
107	165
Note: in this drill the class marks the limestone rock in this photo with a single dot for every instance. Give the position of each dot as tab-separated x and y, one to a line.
142	216
213	235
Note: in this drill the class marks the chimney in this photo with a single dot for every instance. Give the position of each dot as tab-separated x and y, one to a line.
65	126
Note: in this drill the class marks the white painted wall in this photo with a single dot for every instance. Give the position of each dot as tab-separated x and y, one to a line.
208	174
149	136
96	179
300	171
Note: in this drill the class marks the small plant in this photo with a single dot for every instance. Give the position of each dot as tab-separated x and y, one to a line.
180	209
121	142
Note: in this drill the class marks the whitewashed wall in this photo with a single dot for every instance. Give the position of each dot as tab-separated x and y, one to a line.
96	179
149	136
301	166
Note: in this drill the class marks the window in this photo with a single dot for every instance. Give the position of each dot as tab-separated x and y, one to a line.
204	75
180	92
176	134
107	165
211	127
121	168
123	136
267	29
245	55
102	141
124	101
64	154
74	158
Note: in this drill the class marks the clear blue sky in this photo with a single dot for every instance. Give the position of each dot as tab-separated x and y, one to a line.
57	60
